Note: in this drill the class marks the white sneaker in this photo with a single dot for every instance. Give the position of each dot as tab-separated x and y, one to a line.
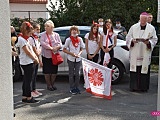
38	93
34	94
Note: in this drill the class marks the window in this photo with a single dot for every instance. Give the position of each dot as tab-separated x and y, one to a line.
82	34
63	34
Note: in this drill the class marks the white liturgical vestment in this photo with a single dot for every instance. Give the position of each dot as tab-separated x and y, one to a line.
140	54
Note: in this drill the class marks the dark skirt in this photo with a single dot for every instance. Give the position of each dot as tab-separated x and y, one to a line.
138	80
48	67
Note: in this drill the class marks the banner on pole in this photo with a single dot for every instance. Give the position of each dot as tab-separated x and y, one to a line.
97	79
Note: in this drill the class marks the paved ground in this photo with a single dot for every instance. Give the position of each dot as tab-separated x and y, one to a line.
61	105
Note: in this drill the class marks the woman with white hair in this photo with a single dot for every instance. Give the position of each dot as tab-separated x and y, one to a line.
50	42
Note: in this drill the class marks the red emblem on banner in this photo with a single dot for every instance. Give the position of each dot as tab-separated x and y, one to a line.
95	77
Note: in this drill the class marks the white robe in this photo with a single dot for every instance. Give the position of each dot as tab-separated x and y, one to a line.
140	55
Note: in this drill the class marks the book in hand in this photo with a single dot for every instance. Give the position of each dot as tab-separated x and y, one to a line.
141	39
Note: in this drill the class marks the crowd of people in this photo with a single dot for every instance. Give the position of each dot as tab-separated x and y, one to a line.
36	50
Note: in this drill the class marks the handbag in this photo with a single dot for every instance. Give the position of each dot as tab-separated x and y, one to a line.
56	57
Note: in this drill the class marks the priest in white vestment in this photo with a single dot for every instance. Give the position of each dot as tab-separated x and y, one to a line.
140	40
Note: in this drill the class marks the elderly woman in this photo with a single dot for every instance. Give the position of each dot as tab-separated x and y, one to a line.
50	42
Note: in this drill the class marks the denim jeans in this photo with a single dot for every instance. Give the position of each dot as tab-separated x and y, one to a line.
74	74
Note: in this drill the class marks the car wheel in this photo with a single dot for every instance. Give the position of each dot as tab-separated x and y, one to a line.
118	71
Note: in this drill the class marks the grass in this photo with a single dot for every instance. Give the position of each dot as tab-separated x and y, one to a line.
154	67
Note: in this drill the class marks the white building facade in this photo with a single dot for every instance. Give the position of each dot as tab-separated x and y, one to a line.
32	9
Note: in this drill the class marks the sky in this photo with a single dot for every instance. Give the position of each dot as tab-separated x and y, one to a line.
53	1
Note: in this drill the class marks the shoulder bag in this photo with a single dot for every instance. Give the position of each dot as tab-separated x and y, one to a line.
56	57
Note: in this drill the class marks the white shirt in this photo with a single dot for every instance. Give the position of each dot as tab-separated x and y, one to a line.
24	58
100	30
109	42
92	44
71	48
35	43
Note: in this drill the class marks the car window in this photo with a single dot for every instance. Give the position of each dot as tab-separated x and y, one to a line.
62	34
83	33
65	34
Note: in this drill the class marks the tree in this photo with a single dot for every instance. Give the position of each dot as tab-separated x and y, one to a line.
83	12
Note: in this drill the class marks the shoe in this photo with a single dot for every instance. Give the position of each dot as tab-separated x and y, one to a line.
50	88
14	115
84	86
78	91
34	94
55	88
132	90
144	91
73	91
32	100
38	93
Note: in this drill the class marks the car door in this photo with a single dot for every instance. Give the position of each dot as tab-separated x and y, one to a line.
83	32
62	68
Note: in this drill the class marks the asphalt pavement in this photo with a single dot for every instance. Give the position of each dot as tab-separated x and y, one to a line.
61	105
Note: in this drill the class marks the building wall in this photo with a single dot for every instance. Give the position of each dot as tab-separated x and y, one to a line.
16	8
29	1
6	85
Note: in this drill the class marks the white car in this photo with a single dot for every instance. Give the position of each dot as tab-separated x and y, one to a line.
120	63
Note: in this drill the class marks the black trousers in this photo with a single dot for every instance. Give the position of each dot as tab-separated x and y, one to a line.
138	80
102	53
94	59
27	78
34	77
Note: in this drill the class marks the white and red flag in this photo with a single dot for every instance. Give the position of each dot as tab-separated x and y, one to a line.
97	79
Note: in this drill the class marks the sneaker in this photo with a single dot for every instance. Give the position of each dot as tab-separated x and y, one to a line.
78	91
34	94
32	100
73	91
84	86
38	93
